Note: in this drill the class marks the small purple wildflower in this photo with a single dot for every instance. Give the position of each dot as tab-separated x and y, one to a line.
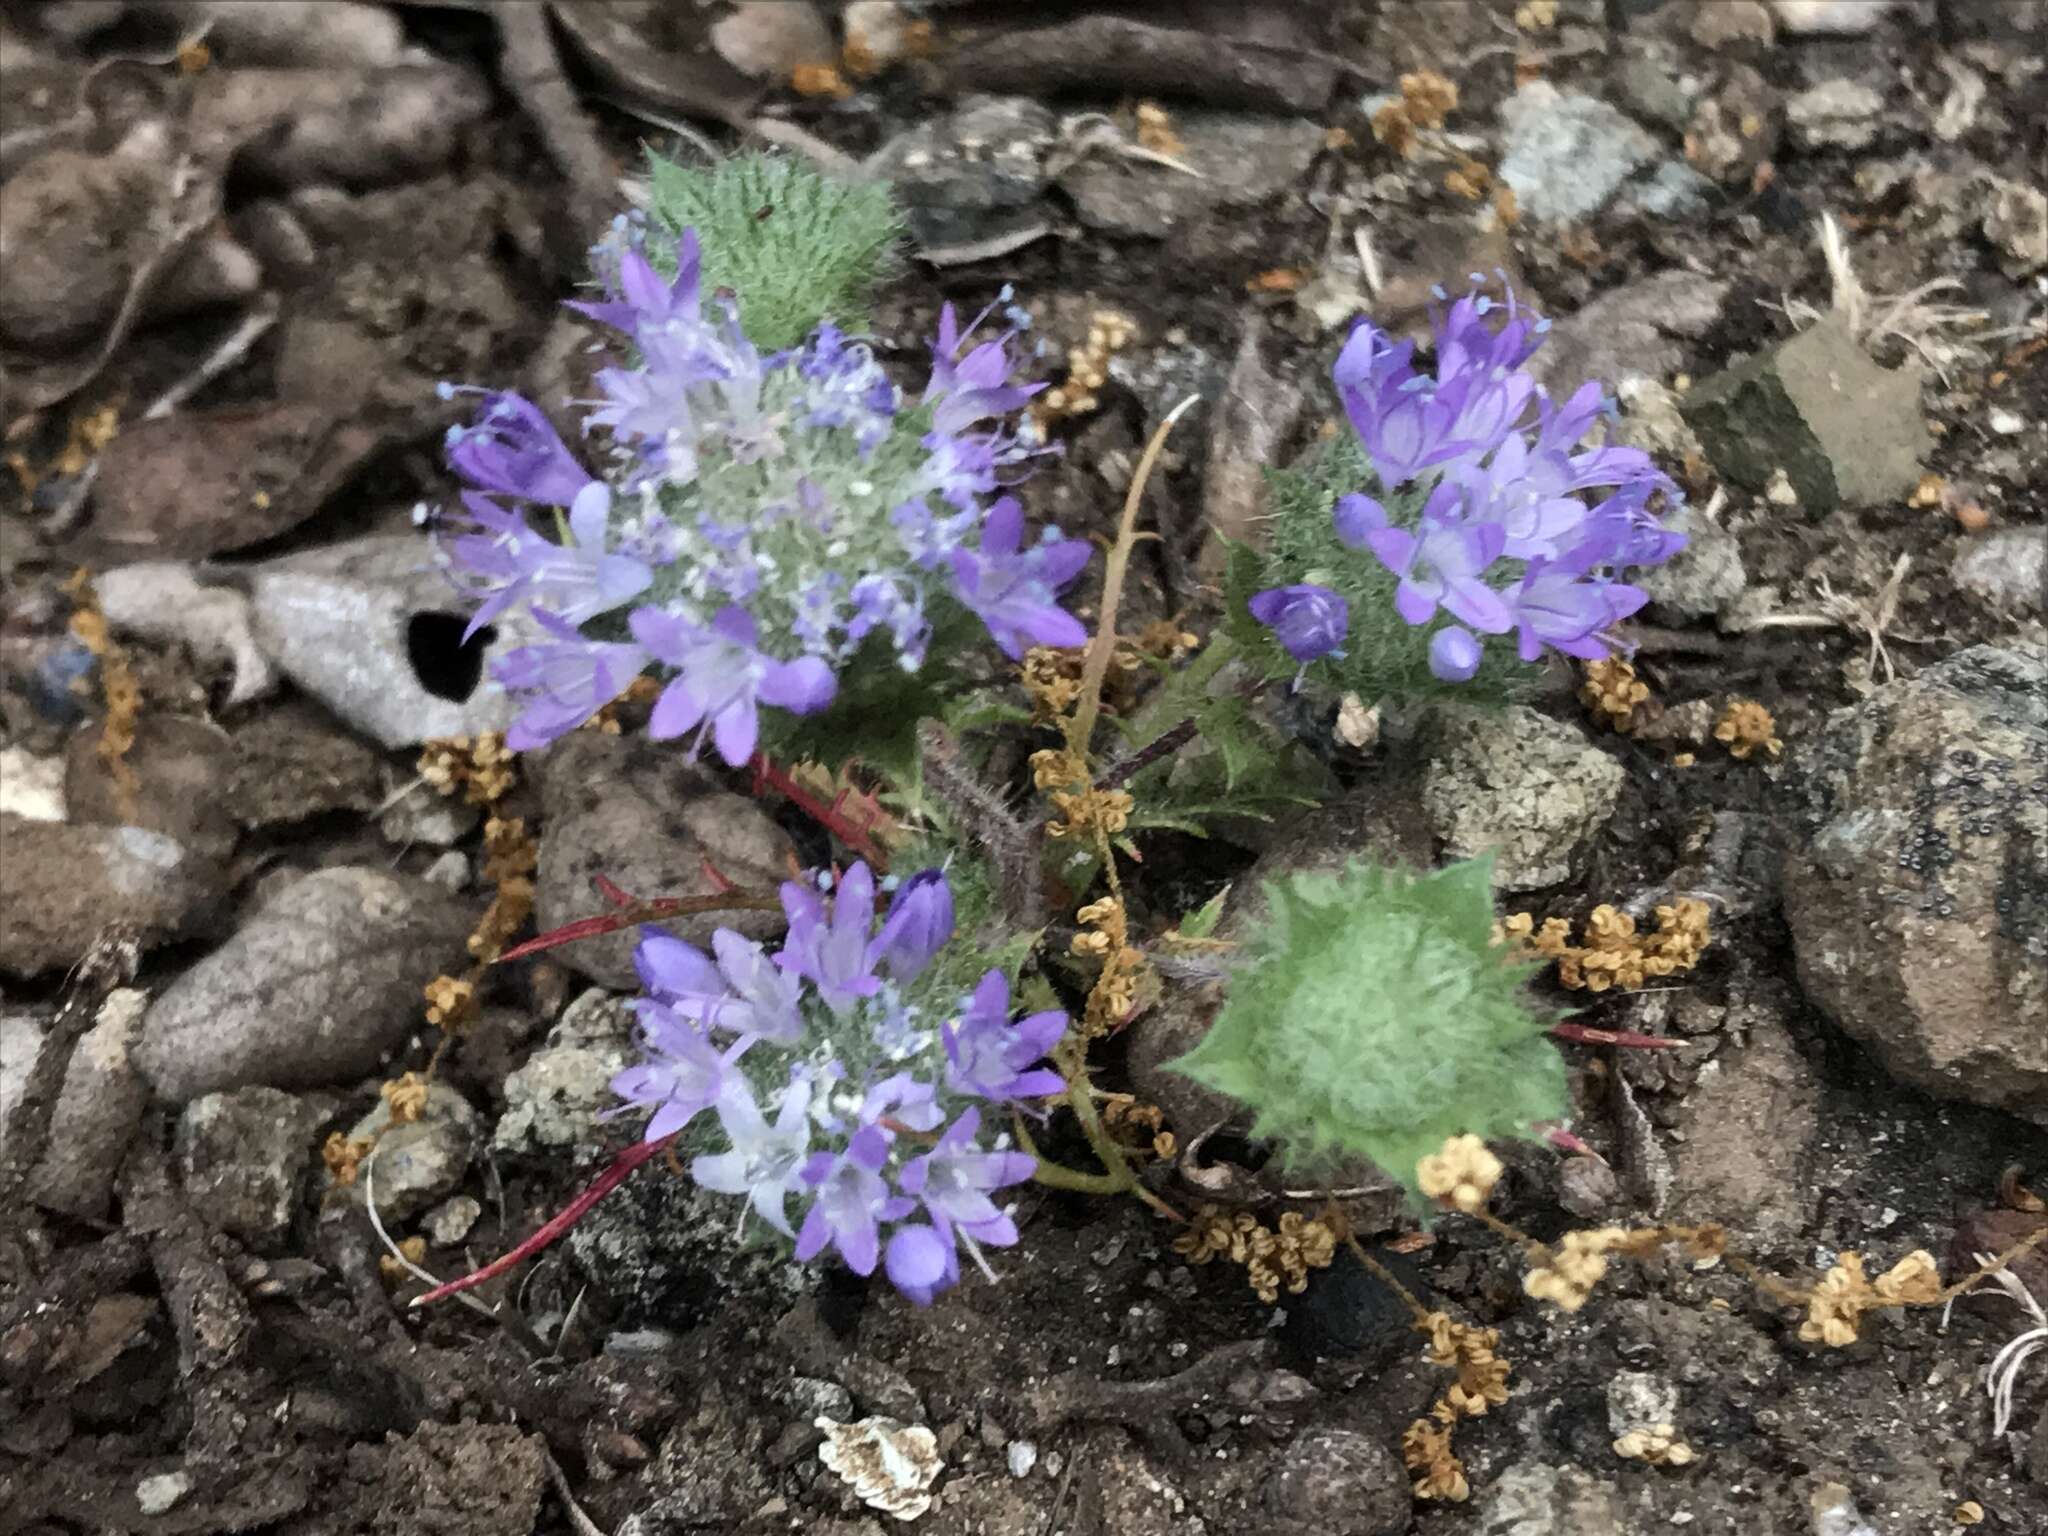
1012	590
565	682
919	923
681	1074
1443	562
722	678
953	1183
576	581
766	1162
1309	621
991	1058
833	953
743	992
851	1203
512	450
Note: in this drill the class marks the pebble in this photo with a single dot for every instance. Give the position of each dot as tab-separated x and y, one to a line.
1519	785
768	39
313	989
1022	1456
243	1157
31	787
2007	569
554	1102
2006	423
1242	158
1566	154
159	1495
372	629
1829	18
1340	1482
450	1222
1636	1399
418	1161
1836	114
68	884
630	810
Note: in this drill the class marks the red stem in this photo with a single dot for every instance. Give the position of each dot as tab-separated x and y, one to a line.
1585	1034
640	912
830	817
571	1213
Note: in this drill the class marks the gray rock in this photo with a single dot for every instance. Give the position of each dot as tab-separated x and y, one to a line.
1734	127
243	1158
1704	580
662	1252
1244	159
973	178
1733	23
1919	902
633	811
1340	1483
319	984
74	225
1638	1399
1829	18
1844	430
99	1104
177	766
1674	191
768	39
2006	569
1836	114
1567	154
1657	80
164	600
2016	223
426	817
418	1161
553	1102
450	1222
1632	331
292	761
1534	1499
372	629
1519	785
161	1493
307	32
66	884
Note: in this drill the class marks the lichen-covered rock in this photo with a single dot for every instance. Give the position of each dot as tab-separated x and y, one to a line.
418	1161
552	1103
974	178
314	989
1918	900
243	1157
1518	785
1843	430
1566	153
1242	159
636	813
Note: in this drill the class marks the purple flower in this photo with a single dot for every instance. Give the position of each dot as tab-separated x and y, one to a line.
766	1161
1559	605
907	1100
919	923
682	1073
1454	655
1309	621
721	678
566	682
953	1183
1012	591
832	953
1356	516
852	1201
743	991
991	1058
920	1263
511	450
577	580
1533	521
639	299
1442	562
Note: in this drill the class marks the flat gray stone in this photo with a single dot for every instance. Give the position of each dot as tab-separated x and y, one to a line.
1518	785
1243	159
1566	154
243	1158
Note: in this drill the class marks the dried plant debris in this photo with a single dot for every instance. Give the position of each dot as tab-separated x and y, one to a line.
891	1466
1613	953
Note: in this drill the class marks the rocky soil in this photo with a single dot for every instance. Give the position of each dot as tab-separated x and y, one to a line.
1804	242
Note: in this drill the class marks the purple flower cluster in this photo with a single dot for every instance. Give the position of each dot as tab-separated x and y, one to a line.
829	1088
754	520
1504	540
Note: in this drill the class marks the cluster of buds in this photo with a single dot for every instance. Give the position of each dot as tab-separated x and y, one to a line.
1614	954
1087	367
1657	1444
1746	727
1462	1174
1482	1375
1613	692
407	1097
1105	936
480	766
1438	1473
1083	812
1835	1307
1275	1258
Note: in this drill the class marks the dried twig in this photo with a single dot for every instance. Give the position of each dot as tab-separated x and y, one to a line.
585	1526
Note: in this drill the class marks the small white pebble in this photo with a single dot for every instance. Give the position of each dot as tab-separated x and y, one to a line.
1023	1457
159	1494
2007	423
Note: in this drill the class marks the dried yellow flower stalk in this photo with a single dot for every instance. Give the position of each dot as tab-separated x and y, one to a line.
407	1097
1835	1307
1614	954
1657	1444
1462	1174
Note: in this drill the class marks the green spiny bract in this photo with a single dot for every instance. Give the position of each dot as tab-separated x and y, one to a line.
797	246
1380	659
1373	1018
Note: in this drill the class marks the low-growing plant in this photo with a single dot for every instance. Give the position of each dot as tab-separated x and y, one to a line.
775	550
